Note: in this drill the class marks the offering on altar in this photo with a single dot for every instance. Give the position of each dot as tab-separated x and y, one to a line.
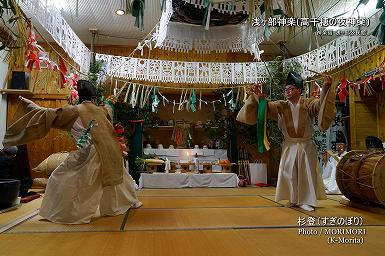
225	165
207	167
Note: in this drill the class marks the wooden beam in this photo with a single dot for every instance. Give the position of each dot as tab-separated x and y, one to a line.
16	91
352	106
43	96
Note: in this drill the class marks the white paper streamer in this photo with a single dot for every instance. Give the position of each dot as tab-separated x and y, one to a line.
127	92
173	108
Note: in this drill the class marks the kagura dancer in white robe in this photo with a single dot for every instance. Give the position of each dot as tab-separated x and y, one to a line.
299	176
92	178
329	175
330	168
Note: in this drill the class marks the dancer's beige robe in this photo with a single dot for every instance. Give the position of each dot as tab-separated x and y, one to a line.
90	178
299	176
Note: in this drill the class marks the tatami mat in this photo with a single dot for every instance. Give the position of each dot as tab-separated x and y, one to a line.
149	243
288	242
195	222
168	219
39	224
205	202
266	242
332	208
20	213
334	197
208	191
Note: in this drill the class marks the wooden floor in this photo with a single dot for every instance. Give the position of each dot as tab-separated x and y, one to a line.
234	221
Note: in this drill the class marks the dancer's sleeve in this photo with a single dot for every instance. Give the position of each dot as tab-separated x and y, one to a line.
108	110
324	107
249	111
32	122
273	108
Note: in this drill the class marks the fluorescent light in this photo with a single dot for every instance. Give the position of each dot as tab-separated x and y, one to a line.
119	12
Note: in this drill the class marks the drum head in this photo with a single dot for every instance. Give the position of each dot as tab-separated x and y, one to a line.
379	180
362	181
346	177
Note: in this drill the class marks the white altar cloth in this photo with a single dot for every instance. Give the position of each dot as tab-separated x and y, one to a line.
188	180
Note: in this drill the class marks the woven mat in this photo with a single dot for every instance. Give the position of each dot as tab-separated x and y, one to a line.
189	243
205	202
280	242
38	224
11	218
201	218
189	226
332	208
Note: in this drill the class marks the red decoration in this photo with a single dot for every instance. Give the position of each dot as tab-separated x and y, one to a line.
74	80
119	129
33	59
353	85
262	185
35	54
365	83
63	71
122	143
71	82
123	147
73	95
343	92
32	51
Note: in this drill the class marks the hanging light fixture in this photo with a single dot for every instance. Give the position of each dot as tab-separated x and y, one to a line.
120	11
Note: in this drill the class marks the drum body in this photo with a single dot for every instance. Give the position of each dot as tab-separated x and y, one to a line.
360	176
